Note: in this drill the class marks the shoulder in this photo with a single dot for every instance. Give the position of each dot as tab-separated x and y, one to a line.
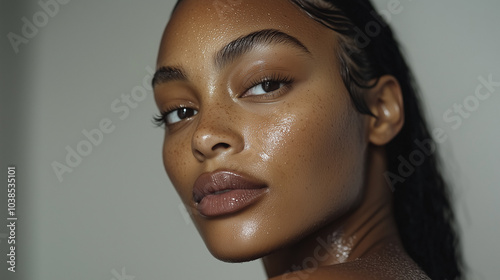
354	271
388	265
325	273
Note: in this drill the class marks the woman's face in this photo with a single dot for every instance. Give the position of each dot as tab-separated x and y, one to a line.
262	142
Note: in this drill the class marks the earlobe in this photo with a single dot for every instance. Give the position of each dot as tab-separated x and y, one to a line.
385	101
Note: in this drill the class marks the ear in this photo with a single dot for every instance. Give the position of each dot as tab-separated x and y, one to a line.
385	101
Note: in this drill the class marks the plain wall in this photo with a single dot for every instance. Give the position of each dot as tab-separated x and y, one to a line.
116	213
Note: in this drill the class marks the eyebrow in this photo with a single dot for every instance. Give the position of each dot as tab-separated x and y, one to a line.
246	43
232	51
167	74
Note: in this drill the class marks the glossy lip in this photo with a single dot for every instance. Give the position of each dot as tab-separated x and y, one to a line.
224	192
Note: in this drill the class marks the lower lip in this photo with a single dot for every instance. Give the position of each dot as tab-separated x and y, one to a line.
214	205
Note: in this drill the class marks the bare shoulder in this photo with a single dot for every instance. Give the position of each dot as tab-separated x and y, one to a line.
360	273
326	273
388	265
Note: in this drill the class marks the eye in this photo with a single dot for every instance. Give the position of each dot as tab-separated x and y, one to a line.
266	87
269	87
178	115
174	116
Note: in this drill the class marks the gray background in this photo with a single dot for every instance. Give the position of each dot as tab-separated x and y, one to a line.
116	213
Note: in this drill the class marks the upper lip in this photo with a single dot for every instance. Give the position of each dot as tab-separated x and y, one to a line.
222	180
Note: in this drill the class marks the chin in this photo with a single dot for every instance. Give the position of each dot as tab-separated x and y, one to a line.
230	243
236	258
232	253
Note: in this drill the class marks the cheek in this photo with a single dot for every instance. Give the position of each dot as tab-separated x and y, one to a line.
176	159
315	161
273	141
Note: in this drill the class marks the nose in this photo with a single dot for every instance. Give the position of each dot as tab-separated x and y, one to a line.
216	135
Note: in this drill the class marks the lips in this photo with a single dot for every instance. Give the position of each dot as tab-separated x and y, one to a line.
225	192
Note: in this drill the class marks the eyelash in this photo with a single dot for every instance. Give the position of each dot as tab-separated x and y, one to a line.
287	81
159	119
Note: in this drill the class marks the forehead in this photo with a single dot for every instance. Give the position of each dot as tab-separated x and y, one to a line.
202	27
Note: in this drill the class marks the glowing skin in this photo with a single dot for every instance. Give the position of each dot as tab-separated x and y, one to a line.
303	139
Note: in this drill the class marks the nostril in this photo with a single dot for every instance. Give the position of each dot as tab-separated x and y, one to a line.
220	145
202	155
198	155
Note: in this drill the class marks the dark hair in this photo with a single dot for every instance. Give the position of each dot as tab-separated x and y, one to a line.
422	209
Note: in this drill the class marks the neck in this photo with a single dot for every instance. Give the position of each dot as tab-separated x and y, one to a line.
367	229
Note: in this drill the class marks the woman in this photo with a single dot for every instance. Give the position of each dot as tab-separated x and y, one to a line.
287	130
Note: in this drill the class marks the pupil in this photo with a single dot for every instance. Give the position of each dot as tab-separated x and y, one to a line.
184	113
270	86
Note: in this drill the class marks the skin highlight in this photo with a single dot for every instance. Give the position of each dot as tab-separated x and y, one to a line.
321	160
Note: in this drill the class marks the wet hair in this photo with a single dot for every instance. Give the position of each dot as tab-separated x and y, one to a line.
422	209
